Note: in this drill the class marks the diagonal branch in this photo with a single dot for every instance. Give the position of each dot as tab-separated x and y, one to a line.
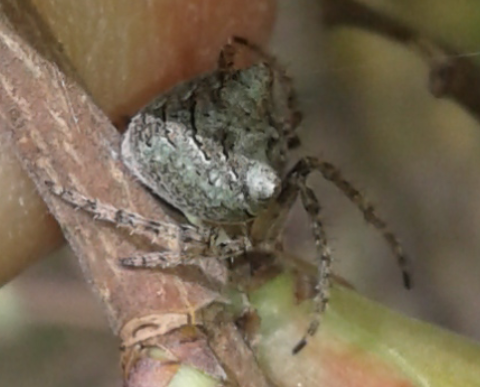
451	75
60	135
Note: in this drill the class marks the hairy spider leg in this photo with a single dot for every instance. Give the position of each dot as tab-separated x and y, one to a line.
226	63
297	177
204	240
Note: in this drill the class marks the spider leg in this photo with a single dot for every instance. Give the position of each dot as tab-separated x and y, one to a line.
137	224
170	259
156	259
226	62
226	58
332	174
199	243
324	257
298	176
285	81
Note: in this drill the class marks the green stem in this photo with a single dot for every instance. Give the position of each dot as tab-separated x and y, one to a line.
360	343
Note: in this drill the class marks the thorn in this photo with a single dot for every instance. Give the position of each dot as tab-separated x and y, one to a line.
300	345
407	280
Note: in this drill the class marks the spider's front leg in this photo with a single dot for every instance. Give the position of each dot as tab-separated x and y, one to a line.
296	183
212	248
331	173
139	225
135	223
196	243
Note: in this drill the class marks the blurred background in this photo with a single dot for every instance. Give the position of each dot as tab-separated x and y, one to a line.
367	109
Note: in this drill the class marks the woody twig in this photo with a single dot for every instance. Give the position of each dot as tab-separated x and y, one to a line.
452	75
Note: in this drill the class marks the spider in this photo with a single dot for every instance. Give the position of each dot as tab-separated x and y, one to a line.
216	148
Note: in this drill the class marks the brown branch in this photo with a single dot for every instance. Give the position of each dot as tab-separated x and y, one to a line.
60	135
451	75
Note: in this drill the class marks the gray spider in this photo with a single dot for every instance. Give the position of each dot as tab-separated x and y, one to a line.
216	148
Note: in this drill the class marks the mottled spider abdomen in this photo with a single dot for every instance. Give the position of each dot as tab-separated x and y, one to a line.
214	147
